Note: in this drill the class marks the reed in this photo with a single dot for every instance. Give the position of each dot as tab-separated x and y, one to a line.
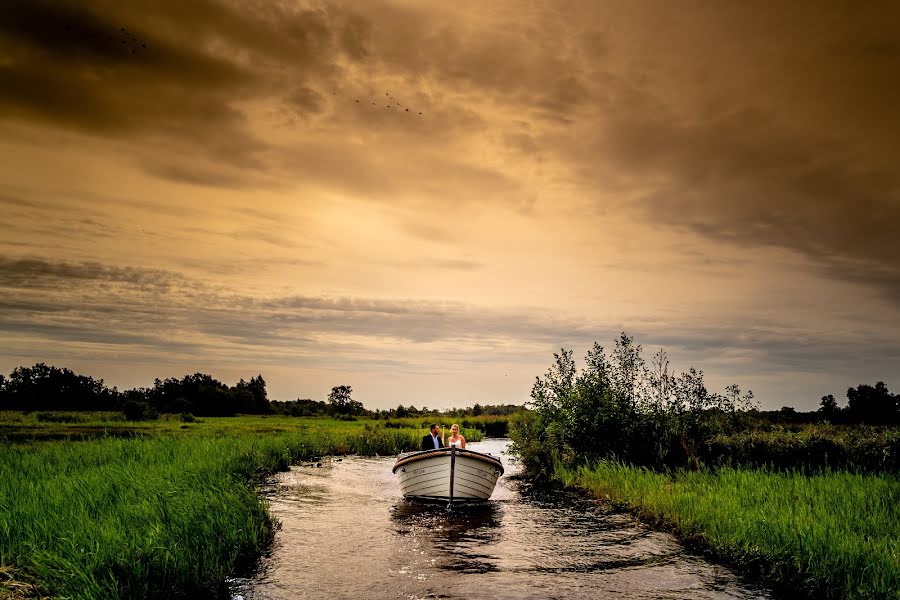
165	515
829	535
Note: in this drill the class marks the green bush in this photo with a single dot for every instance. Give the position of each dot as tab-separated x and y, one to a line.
138	411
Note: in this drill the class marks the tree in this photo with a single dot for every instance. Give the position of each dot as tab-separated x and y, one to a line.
829	407
628	372
340	398
873	405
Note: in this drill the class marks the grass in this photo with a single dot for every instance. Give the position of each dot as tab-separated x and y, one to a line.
814	447
169	510
830	535
16	427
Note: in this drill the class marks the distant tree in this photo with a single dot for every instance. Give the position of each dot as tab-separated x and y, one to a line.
251	396
873	405
299	408
829	407
401	411
340	398
45	387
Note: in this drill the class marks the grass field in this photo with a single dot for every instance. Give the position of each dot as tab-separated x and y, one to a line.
153	509
18	427
830	535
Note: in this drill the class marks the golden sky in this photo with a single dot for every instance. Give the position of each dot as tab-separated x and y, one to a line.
425	200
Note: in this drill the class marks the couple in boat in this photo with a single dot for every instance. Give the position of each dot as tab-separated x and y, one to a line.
433	439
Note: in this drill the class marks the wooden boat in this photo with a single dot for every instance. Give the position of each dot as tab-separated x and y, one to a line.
448	474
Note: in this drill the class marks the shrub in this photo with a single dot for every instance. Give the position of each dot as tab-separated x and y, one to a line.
139	411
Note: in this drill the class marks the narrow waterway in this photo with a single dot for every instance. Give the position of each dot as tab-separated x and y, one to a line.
346	532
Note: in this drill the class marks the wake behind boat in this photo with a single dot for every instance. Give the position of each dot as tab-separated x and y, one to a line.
448	474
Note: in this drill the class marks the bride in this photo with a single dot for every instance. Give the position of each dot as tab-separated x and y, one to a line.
456	439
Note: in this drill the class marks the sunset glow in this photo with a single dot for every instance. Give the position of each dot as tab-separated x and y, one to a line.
238	188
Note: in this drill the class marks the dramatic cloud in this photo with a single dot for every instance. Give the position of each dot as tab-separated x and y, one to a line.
313	183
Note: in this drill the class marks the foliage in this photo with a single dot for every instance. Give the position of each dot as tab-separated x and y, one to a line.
48	388
203	395
617	406
342	402
478	410
44	387
830	535
138	411
866	404
301	408
808	447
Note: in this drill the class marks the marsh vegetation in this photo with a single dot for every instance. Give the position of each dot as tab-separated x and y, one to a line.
162	509
811	507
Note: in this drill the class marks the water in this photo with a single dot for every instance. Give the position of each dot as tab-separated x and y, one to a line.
346	532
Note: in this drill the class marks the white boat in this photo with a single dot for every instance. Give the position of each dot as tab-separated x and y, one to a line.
448	474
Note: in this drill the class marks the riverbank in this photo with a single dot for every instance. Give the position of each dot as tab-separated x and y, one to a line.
167	511
828	535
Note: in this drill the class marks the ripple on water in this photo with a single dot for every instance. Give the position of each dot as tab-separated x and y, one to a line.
346	532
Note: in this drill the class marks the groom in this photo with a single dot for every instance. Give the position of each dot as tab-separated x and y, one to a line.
432	440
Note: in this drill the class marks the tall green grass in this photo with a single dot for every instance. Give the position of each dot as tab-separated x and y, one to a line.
831	535
155	516
812	447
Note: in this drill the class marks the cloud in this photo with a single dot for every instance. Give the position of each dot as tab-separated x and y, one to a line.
38	273
168	74
94	303
769	126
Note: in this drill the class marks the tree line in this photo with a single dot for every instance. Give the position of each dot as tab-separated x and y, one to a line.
869	404
619	406
48	388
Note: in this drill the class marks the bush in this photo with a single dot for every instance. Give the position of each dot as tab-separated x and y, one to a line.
187	417
139	411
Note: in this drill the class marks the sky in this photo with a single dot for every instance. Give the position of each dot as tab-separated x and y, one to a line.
426	200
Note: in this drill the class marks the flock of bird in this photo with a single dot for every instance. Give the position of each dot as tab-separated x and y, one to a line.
388	105
134	45
131	43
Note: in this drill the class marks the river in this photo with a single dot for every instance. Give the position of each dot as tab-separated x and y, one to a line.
346	532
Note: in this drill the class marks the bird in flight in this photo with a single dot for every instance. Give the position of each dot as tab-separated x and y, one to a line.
388	94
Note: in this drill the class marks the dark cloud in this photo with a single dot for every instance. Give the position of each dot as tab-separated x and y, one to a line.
770	126
34	273
66	64
98	298
71	64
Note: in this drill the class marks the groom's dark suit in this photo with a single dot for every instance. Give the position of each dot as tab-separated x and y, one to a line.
428	442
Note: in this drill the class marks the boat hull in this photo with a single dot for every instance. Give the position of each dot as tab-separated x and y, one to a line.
448	474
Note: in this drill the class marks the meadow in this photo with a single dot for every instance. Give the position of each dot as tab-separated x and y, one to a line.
92	506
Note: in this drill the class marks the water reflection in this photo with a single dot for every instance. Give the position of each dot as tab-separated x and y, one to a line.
458	534
346	532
